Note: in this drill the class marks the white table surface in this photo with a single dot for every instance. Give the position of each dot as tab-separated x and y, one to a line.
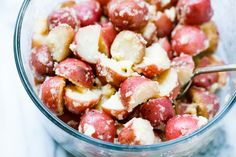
21	134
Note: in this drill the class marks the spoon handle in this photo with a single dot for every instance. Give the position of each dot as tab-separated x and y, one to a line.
212	69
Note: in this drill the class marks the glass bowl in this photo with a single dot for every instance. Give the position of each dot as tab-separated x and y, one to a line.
82	145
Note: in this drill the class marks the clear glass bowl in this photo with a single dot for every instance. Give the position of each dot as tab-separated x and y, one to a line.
81	145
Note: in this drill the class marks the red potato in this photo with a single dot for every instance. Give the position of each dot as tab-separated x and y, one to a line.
63	16
165	44
128	14
41	60
149	32
129	46
137	132
211	31
88	12
137	90
182	108
208	104
169	84
76	71
114	107
70	119
51	94
103	2
86	42
206	80
194	12
108	34
98	125
113	72
158	112
154	62
182	125
189	40
164	25
184	65
59	40
79	99
163	4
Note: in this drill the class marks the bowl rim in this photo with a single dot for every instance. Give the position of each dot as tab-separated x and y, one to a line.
54	119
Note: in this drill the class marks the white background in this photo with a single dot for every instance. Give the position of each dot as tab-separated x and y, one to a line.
21	134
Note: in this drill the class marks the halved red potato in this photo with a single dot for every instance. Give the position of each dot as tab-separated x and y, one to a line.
149	32
98	125
137	90
208	104
184	65
78	99
51	93
158	112
114	107
41	60
206	80
137	132
182	125
171	13
86	43
108	34
76	71
88	12
40	32
59	40
169	84
164	24
129	46
70	119
163	4
63	16
128	14
194	12
113	72
154	62
211	31
165	44
189	40
182	108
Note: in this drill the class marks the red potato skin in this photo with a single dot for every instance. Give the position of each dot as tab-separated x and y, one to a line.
51	94
180	125
104	125
63	16
128	14
88	12
76	71
150	71
127	136
208	104
108	34
129	85
164	25
189	40
70	119
165	44
194	12
184	61
42	61
117	79
158	112
205	80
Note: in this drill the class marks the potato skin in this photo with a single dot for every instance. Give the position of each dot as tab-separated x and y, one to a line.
78	72
194	12
128	14
158	112
51	94
41	60
103	125
189	40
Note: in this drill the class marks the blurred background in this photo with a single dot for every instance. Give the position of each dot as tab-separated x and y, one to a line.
21	133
